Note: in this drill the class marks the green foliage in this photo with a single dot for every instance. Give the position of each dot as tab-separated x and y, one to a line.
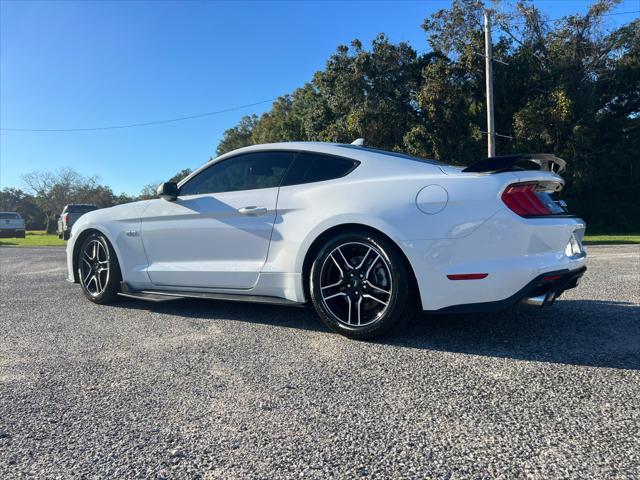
571	87
612	239
149	191
15	200
238	136
38	238
180	175
49	192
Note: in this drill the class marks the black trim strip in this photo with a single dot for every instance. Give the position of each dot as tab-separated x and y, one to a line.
156	295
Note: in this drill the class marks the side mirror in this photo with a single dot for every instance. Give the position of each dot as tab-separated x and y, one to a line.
168	191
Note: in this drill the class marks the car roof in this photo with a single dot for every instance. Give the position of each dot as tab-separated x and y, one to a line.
355	152
341	149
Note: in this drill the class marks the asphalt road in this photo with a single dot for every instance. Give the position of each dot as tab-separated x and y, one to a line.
203	389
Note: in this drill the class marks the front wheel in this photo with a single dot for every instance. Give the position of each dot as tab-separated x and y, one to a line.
98	269
360	285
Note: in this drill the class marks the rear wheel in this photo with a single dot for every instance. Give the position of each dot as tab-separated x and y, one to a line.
98	269
360	285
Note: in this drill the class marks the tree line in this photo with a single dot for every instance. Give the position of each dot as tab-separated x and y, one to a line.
569	86
46	193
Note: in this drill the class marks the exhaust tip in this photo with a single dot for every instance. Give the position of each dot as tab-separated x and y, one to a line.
550	297
541	300
535	301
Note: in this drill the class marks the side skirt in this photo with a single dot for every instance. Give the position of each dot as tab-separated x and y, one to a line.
163	295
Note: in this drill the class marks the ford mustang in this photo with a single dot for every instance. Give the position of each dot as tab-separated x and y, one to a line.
366	236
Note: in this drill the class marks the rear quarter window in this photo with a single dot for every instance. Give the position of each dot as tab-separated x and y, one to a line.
315	167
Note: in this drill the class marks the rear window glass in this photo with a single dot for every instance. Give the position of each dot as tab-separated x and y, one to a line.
315	167
8	216
394	154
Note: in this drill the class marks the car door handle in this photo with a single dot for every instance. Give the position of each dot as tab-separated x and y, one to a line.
252	210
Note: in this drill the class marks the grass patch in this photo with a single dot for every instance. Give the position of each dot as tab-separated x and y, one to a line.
34	238
612	239
40	238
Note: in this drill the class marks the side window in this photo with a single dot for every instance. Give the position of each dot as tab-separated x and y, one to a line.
244	172
315	167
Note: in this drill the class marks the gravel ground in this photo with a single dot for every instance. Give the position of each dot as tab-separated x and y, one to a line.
203	389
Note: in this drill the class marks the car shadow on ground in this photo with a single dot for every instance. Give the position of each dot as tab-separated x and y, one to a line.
577	332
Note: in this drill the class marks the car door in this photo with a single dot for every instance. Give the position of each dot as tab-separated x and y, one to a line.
216	234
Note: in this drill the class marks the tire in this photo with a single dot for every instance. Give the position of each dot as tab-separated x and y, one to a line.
349	278
65	235
98	269
22	234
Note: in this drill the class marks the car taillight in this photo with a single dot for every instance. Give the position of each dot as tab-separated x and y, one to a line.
66	218
531	199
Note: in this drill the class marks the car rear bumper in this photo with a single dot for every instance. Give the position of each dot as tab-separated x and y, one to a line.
541	291
496	263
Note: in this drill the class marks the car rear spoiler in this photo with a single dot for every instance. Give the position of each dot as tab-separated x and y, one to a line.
524	161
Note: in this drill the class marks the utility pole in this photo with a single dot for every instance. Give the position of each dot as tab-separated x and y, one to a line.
488	64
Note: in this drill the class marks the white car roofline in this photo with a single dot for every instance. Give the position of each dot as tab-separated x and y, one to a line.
345	150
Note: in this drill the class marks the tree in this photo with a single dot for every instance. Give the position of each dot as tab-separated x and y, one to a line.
15	200
180	175
238	136
149	191
571	87
53	190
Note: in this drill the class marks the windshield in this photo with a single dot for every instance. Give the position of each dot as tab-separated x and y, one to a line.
8	216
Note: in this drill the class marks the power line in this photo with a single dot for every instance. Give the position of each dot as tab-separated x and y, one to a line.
141	124
618	13
206	114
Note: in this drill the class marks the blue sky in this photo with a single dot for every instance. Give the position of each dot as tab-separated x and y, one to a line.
95	63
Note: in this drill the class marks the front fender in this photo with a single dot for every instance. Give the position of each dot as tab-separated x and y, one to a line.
80	231
121	227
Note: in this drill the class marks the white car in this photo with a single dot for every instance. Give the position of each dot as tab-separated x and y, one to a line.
366	236
12	225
